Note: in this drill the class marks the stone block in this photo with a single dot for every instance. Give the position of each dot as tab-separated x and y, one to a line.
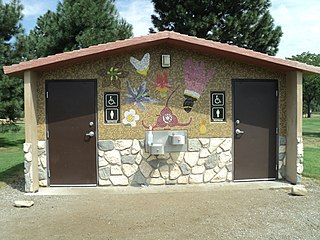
28	157
27	166
177	157
26	147
300	149
41	145
184	168
25	204
106	145
116	170
204	153
220	176
196	178
103	182
155	173
165	156
104	173
229	176
212	161
102	162
282	140
135	148
43	183
282	149
144	154
43	161
137	179
194	145
129	169
226	145
100	153
170	181
122	144
183	180
138	159
299	190
42	173
125	152
191	158
128	159
145	169
164	171
229	167
204	142
208	175
201	161
156	164
119	180
225	157
157	181
214	144
198	169
113	157
175	172
299	168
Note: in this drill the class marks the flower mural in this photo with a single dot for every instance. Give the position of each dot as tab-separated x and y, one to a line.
162	83
141	66
196	79
130	118
113	75
139	96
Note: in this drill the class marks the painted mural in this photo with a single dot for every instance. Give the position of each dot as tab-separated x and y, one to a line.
113	74
167	118
161	97
139	96
141	66
196	78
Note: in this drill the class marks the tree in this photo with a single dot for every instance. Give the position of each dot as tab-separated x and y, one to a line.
245	23
76	24
311	84
11	89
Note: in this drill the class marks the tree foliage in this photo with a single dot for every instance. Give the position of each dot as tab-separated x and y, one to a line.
76	24
311	84
11	89
245	23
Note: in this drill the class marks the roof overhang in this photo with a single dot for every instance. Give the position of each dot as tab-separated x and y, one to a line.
209	47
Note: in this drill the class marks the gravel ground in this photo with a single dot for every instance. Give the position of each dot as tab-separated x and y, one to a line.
220	214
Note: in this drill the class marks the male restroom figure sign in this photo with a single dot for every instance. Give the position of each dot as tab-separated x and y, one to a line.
112	107
218	107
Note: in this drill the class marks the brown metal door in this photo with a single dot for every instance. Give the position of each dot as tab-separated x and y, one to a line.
255	126
71	116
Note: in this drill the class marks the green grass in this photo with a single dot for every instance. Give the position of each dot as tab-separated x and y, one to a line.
11	155
311	141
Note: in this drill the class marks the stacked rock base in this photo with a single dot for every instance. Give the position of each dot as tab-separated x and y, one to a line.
125	163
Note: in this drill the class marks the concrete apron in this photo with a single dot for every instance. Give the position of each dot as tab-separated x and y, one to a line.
259	185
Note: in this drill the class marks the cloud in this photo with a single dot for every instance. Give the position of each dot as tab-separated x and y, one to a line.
138	13
299	21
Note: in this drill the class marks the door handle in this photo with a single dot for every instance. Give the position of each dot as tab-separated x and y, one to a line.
90	134
238	131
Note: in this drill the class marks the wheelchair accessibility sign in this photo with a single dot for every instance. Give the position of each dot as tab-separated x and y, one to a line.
217	106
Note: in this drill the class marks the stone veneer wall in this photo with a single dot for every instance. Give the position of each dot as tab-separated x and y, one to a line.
124	162
42	165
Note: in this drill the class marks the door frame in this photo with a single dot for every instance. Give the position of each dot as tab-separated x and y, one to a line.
96	131
233	81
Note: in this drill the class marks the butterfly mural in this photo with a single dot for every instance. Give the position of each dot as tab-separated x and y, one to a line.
139	96
113	74
141	66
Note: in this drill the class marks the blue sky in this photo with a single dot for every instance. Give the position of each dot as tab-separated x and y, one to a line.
299	19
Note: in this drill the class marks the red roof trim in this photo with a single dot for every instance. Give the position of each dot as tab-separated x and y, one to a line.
207	46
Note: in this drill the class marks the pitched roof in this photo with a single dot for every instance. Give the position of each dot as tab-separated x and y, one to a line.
176	39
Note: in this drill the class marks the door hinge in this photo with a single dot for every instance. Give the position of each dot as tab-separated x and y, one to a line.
48	134
47	94
277	131
277	93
